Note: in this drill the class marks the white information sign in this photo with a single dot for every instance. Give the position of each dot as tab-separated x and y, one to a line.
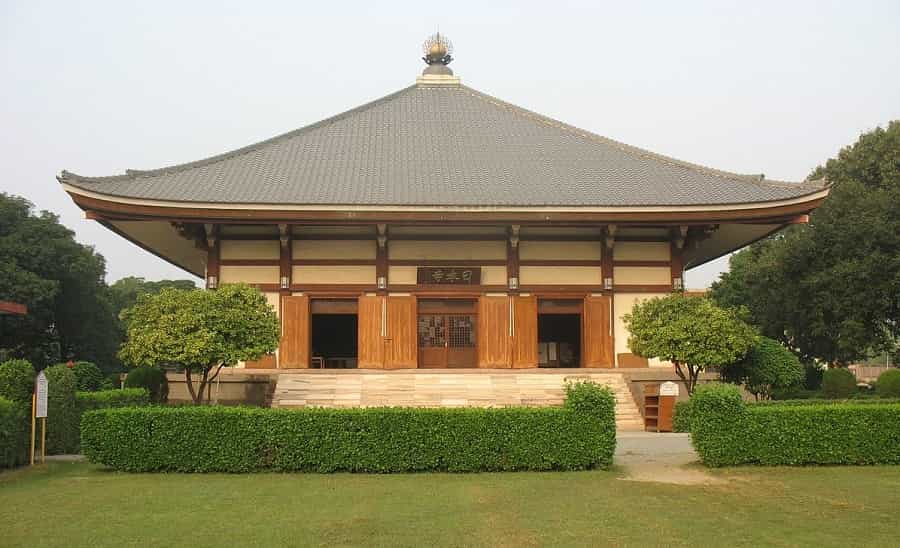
40	408
668	389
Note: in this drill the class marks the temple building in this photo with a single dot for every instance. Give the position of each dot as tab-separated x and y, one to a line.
440	227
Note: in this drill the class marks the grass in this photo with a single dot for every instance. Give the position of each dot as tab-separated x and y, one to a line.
83	505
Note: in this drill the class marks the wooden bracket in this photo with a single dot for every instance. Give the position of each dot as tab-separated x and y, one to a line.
211	236
610	238
514	236
679	236
284	234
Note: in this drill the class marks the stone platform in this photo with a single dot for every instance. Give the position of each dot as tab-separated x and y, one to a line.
445	388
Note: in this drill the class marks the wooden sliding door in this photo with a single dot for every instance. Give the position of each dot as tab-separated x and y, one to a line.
387	332
295	332
525	332
597	339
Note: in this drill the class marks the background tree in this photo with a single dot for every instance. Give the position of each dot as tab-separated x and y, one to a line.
124	293
769	366
203	331
691	332
61	282
830	290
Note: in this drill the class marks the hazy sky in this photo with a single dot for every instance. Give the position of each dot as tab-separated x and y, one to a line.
751	87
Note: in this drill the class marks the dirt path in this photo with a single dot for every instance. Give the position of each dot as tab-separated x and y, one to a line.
661	458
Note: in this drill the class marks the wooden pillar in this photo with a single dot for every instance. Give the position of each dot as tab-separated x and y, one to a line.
285	259
512	260
213	278
677	265
676	259
381	259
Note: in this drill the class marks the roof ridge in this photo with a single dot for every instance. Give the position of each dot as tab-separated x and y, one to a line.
129	174
631	149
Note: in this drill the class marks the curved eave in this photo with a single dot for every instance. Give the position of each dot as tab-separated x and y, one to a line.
115	207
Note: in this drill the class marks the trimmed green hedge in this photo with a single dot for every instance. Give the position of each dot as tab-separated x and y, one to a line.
681	420
62	415
125	397
579	435
17	380
725	431
14	424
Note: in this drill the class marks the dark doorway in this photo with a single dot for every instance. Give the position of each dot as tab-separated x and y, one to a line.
334	340
559	340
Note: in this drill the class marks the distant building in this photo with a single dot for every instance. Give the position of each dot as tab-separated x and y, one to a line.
441	227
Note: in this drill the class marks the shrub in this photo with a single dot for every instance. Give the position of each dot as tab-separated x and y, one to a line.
725	431
13	432
152	379
104	399
88	377
62	415
888	385
771	366
578	435
681	420
16	380
838	384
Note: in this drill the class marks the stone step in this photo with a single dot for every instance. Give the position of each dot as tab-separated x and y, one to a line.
445	389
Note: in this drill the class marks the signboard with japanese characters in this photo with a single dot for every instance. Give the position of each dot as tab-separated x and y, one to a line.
448	275
40	402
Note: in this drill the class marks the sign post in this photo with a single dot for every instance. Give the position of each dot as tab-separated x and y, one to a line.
39	411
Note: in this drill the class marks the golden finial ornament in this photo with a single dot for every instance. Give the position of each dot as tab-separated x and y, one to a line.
437	49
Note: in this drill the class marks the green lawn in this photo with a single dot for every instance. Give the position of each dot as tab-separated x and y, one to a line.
82	505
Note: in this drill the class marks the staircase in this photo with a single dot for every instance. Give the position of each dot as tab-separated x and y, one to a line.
460	388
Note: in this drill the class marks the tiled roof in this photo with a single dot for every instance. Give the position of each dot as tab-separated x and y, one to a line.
442	146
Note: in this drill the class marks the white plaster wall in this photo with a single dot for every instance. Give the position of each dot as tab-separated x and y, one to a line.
534	250
321	274
405	275
334	249
249	274
560	275
249	249
493	275
641	251
644	275
448	250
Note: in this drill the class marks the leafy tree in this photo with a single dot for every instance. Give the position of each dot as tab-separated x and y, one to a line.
124	293
203	331
691	332
61	282
767	367
831	289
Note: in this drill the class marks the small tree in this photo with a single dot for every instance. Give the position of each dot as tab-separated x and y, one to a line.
691	332
203	331
768	366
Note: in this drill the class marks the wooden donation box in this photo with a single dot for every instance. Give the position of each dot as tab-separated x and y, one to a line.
659	406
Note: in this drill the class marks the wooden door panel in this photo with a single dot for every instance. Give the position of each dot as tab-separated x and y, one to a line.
525	335
597	332
370	340
295	326
402	350
266	362
493	332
